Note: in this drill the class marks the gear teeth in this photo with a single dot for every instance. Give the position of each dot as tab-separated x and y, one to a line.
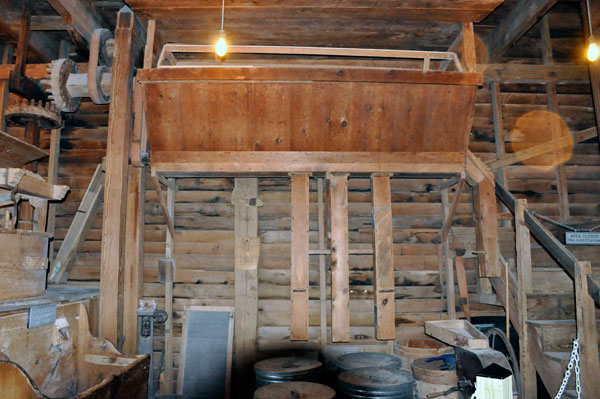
45	81
51	97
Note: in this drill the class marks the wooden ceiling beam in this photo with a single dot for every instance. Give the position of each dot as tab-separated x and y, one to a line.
523	15
80	18
430	10
39	43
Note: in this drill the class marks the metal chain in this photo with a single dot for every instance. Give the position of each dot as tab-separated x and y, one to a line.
574	360
564	226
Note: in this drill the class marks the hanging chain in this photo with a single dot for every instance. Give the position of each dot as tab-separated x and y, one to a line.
564	226
573	361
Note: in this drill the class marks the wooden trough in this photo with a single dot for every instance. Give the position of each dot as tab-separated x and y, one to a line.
63	360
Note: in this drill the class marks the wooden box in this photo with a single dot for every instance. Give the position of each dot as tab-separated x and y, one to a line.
23	264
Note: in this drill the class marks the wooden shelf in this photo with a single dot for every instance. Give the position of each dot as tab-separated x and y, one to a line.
16	152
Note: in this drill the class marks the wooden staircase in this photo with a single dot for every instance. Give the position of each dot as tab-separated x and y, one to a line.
548	316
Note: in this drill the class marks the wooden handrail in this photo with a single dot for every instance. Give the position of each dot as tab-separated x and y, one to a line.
555	248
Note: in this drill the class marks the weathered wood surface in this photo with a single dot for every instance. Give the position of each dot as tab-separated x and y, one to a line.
15	152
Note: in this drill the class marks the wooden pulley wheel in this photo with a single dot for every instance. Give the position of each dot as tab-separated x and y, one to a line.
98	65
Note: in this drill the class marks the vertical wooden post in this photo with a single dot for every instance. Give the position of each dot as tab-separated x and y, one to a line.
247	244
149	49
3	102
340	278
470	56
133	278
486	213
322	268
561	176
47	216
523	247
169	253
115	192
587	332
383	254
498	128
449	261
300	266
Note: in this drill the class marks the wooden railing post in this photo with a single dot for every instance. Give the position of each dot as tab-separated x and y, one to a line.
587	332
524	286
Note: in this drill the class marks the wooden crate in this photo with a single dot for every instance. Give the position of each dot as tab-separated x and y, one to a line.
23	264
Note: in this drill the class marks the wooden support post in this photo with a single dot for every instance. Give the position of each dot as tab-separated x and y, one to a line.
449	215
322	267
340	279
300	266
586	331
561	176
247	244
134	256
167	387
3	102
149	49
498	128
115	193
448	261
486	213
469	54
383	256
524	287
461	276
47	216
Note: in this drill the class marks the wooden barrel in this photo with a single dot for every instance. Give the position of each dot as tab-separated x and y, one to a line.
356	360
285	369
410	350
375	383
429	378
294	390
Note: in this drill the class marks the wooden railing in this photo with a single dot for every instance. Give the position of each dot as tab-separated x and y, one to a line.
586	292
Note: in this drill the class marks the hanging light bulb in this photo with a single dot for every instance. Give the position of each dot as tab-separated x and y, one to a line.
592	51
221	45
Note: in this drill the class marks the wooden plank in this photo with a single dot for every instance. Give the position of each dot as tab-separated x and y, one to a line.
383	256
189	163
451	211
133	278
322	267
82	222
82	18
115	193
461	276
486	214
439	10
299	256
340	289
459	333
537	150
522	16
149	50
498	130
245	200
448	257
164	206
533	72
3	103
524	284
586	331
16	152
309	73
48	213
167	387
468	40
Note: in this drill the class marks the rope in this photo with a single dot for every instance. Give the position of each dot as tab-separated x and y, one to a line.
565	226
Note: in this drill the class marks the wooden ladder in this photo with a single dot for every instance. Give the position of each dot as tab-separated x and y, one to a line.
83	220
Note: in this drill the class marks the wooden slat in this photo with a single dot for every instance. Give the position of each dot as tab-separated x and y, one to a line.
149	50
167	387
461	276
524	284
115	193
486	213
385	323
299	282
468	38
82	17
3	103
134	256
322	268
340	289
448	256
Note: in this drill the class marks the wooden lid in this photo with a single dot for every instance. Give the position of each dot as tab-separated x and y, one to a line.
295	390
376	381
352	361
286	366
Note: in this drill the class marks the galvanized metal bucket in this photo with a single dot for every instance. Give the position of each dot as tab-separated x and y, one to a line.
284	369
295	390
376	383
356	360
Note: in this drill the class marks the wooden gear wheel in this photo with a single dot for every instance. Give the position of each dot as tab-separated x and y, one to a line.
56	85
47	116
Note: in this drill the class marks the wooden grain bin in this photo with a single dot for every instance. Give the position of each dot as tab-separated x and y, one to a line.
410	350
23	264
43	363
431	379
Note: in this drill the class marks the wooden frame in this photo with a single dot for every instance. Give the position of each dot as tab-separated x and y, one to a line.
229	345
170	48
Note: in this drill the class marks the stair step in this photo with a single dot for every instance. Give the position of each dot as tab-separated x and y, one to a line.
550	306
562	359
556	335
